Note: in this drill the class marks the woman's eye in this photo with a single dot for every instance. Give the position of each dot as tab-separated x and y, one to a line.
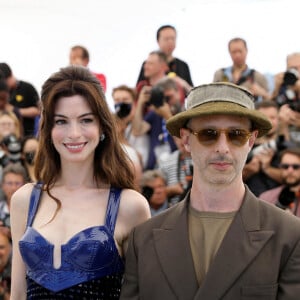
87	120
60	122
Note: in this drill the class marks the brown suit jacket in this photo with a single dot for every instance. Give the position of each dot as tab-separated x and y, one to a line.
259	257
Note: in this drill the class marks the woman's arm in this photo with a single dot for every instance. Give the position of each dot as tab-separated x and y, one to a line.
134	210
18	214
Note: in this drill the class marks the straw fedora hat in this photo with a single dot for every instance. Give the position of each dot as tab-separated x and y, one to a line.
221	98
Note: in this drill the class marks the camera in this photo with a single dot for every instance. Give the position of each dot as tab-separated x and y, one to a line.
290	77
285	198
286	94
157	97
11	151
147	192
5	220
122	109
268	145
277	145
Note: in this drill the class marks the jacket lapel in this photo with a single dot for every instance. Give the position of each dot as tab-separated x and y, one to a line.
243	241
174	253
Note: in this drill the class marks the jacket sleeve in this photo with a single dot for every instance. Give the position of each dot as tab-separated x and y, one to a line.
130	287
289	280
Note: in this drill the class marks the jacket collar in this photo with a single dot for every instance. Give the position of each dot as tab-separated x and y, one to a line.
243	241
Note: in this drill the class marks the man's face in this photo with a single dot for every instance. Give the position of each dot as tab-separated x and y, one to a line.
238	53
290	175
10	183
121	97
159	192
272	115
294	62
154	66
5	250
221	163
167	41
172	96
76	58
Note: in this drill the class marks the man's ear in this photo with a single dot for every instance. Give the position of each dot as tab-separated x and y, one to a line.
253	138
185	136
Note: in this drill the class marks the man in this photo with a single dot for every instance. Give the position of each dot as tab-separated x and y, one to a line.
124	98
79	55
13	177
287	94
287	195
24	97
162	101
154	188
261	170
239	73
220	242
178	170
5	265
166	37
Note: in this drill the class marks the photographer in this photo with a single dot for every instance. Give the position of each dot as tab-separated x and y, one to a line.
5	266
178	170
124	110
287	195
10	150
154	188
14	176
261	171
287	95
163	101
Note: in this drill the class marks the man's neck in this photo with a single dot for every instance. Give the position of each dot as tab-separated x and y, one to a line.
154	79
239	68
217	198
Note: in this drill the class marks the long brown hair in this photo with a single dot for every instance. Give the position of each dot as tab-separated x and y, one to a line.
111	165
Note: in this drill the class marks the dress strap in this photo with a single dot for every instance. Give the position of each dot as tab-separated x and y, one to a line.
112	208
34	202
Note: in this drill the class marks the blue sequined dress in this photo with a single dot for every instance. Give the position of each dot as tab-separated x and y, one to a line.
91	267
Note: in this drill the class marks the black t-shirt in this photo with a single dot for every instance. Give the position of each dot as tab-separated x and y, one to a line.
25	95
177	66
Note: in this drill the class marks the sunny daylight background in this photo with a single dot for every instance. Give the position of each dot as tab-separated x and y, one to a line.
36	35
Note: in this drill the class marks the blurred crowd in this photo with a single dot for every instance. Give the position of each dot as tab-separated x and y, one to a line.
163	169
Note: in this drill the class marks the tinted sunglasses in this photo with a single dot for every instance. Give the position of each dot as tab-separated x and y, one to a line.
286	166
209	136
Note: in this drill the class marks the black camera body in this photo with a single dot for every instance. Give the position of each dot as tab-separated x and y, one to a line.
286	94
285	198
157	97
12	147
290	77
277	145
6	220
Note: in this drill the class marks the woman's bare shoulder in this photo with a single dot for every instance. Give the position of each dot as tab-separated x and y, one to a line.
134	205
20	199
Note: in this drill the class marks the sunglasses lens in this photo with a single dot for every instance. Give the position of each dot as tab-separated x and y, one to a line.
208	136
237	137
286	166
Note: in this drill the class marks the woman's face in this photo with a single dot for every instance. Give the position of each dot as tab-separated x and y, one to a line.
7	126
76	131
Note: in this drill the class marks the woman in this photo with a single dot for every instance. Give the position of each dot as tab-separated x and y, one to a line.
73	241
9	125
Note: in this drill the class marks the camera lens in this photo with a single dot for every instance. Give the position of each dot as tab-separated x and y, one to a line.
290	77
157	96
